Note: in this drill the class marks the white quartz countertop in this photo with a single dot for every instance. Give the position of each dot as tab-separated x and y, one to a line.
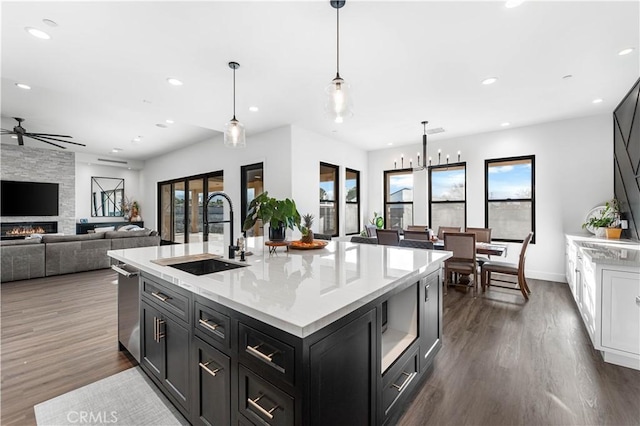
608	251
299	291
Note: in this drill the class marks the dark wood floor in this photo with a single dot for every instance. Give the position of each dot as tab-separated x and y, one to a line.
504	361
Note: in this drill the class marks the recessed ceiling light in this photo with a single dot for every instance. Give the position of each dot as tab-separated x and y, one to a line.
50	23
510	4
174	81
14	137
625	51
596	101
254	109
37	33
505	124
390	143
162	125
115	150
169	121
23	86
136	139
489	80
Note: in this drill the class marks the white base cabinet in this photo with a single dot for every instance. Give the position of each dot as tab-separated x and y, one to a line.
604	278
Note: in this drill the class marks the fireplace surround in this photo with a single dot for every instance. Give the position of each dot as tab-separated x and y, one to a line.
16	230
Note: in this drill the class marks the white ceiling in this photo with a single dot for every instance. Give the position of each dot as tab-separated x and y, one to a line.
102	76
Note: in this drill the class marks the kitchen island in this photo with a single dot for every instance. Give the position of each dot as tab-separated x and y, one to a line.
339	335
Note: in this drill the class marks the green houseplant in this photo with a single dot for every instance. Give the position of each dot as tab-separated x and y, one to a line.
279	214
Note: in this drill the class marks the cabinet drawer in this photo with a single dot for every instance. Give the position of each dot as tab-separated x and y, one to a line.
262	402
395	382
260	349
212	326
171	300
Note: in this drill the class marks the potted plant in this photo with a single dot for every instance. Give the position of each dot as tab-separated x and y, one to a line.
307	233
279	214
606	223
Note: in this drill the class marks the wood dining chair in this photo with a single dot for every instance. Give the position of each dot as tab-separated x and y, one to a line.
443	229
370	230
463	261
388	237
416	235
483	235
509	269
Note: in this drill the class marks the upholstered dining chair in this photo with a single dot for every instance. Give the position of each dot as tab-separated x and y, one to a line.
443	229
463	261
483	235
509	269
417	228
371	230
416	235
388	237
364	240
421	244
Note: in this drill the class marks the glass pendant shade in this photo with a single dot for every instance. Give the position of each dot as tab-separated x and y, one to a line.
234	134
339	103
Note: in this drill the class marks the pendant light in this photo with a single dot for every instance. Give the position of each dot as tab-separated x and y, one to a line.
234	130
339	105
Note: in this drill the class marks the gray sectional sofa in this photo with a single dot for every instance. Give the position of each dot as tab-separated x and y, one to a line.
66	254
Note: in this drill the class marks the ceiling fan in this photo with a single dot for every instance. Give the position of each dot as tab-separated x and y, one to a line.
21	133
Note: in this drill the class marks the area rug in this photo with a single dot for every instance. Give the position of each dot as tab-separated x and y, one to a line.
126	398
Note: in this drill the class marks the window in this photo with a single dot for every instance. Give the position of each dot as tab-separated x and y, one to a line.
448	196
181	208
252	185
510	198
398	199
352	202
328	223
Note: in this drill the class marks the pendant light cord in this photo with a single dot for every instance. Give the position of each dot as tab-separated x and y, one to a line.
338	41
234	93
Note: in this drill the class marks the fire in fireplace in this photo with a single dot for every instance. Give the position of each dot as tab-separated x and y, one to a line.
11	230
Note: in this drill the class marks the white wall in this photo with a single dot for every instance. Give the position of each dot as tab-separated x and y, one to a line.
574	172
309	149
132	189
273	148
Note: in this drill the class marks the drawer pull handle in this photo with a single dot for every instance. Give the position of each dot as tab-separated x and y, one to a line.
160	296
405	383
207	369
254	404
205	323
426	292
637	300
254	350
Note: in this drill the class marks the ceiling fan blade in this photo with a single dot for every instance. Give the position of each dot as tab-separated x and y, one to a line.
6	130
38	135
47	134
42	140
20	139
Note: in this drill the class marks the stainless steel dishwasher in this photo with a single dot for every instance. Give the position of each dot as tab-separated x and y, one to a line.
128	309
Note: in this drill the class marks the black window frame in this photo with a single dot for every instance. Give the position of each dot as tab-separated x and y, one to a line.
357	202
487	164
431	201
387	220
336	195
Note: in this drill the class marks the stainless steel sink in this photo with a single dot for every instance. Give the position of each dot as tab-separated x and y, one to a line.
206	266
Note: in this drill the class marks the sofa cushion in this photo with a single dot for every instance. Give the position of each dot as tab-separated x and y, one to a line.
19	242
21	261
67	238
128	234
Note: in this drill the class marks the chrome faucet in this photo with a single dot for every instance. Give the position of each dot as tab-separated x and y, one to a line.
205	237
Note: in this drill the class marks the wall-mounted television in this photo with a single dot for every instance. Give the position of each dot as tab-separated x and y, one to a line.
28	198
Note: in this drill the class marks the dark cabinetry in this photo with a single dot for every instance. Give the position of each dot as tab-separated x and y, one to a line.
212	385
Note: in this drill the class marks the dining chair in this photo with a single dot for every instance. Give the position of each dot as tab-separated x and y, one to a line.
463	261
388	237
508	269
364	240
443	229
417	228
416	235
483	235
421	244
371	230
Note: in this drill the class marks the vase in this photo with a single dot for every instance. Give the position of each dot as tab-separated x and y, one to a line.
613	233
277	233
600	232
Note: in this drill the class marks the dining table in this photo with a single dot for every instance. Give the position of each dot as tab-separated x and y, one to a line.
490	249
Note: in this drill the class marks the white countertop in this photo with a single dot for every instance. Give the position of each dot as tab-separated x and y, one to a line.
608	251
300	291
